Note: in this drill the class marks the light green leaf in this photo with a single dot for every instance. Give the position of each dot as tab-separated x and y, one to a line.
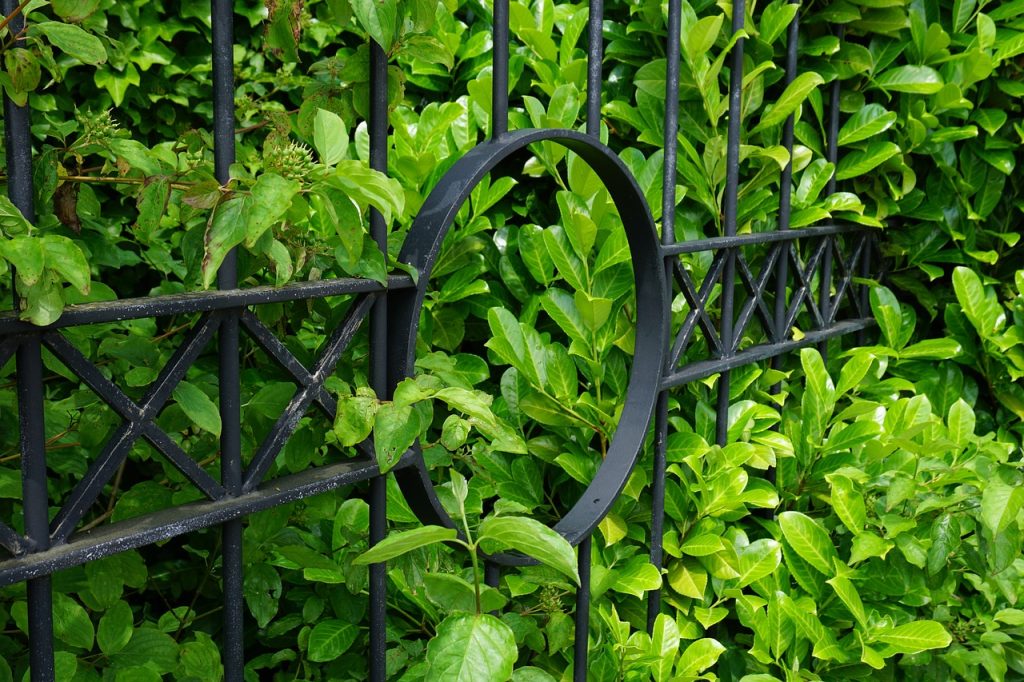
1000	504
398	543
808	540
532	538
329	137
379	18
700	656
330	639
961	422
198	407
271	197
922	80
471	648
911	638
846	591
848	503
792	97
867	122
862	161
73	41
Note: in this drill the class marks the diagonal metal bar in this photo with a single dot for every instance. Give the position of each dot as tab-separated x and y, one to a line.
12	542
7	350
845	280
159	439
112	394
84	494
273	347
755	303
104	388
698	314
289	419
803	293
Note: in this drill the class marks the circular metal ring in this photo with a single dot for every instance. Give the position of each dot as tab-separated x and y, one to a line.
421	249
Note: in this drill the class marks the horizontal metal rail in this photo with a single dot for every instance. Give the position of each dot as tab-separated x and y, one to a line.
121	310
169	523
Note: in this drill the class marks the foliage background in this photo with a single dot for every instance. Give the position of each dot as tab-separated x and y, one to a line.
888	545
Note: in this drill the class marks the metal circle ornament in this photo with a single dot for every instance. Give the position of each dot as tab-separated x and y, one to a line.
421	249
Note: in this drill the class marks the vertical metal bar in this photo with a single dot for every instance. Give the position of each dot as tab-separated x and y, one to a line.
233	653
785	200
832	144
863	292
492	573
582	642
595	56
732	182
35	502
499	70
668	236
378	362
29	368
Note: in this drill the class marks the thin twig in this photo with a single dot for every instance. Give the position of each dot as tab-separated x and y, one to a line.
17	10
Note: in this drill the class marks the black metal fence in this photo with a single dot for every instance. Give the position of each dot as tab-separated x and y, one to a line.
810	270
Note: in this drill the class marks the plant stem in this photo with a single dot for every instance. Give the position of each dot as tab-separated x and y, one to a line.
17	10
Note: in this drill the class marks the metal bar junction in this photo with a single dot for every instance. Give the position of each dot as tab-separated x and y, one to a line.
392	313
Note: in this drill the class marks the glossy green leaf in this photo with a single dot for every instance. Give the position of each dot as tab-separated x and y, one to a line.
330	639
402	542
532	538
865	123
808	540
922	80
792	97
911	638
468	648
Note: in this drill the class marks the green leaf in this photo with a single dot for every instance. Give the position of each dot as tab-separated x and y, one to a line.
71	623
1000	504
664	646
148	648
379	18
73	41
961	423
271	198
979	304
470	648
533	539
201	659
867	122
367	186
75	11
115	628
792	97
198	407
860	162
808	540
355	417
848	503
27	255
846	592
922	80
399	543
395	429
912	638
329	137
225	230
813	180
330	639
757	560
699	656
688	578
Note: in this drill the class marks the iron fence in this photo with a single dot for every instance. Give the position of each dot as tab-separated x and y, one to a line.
824	281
